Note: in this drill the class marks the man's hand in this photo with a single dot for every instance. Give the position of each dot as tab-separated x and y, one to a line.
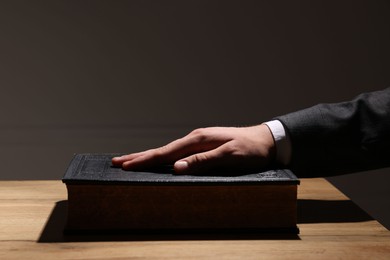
206	149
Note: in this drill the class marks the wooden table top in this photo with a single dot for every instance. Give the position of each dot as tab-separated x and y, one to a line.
32	216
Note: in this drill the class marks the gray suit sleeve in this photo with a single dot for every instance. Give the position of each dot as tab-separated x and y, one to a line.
331	139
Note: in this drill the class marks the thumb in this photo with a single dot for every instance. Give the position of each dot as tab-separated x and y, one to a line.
200	162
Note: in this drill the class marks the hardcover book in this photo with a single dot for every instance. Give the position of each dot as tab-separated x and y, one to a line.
104	198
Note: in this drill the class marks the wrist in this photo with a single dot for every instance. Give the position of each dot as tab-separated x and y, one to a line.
268	143
281	140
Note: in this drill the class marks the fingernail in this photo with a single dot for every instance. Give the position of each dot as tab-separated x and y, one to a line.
181	166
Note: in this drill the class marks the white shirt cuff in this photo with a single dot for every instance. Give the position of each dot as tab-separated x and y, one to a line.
282	141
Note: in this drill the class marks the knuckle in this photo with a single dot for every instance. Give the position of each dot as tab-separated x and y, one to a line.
197	131
199	134
233	149
199	158
159	153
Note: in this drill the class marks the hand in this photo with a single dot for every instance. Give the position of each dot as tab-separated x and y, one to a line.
206	149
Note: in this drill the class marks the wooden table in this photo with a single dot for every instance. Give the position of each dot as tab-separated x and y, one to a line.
32	215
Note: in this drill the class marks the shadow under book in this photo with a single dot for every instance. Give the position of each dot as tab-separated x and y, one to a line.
102	198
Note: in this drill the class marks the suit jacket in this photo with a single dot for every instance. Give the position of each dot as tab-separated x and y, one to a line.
330	139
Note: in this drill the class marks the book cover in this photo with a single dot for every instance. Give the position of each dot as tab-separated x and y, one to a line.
103	197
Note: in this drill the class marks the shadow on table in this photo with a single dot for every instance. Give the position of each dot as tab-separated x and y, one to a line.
309	211
330	211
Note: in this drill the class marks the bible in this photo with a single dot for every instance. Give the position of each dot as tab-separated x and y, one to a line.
105	198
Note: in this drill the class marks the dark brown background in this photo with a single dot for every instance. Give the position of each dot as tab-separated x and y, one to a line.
122	76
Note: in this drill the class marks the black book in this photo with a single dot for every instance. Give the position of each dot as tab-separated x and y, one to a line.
105	198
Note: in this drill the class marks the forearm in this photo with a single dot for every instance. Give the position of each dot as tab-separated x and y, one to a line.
330	139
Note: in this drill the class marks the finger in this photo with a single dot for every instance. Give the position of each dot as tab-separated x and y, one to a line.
180	148
203	162
143	161
163	155
190	144
119	160
116	161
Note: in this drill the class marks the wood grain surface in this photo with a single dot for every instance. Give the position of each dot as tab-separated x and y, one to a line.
32	216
